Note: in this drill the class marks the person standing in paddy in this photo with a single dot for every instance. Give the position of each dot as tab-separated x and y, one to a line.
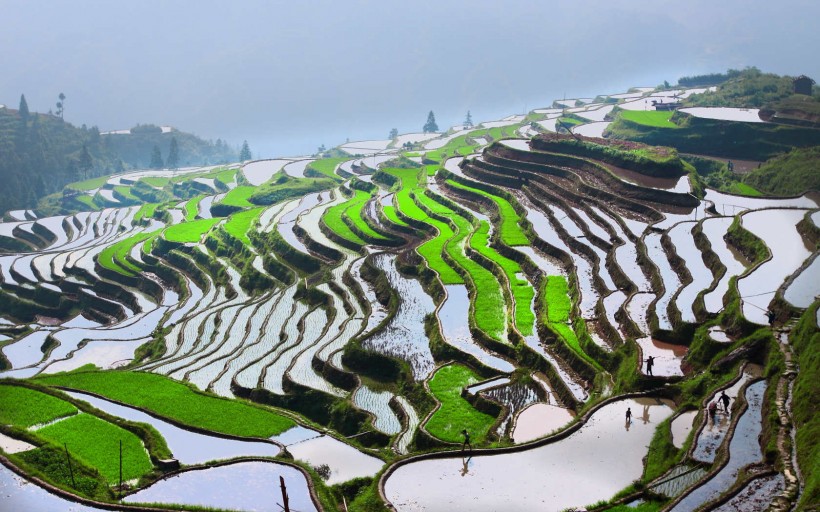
650	362
724	398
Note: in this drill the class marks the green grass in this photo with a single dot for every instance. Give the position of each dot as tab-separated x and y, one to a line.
23	407
240	223
456	413
114	258
510	231
146	211
522	290
239	197
177	401
156	181
90	184
656	118
189	232
96	443
192	208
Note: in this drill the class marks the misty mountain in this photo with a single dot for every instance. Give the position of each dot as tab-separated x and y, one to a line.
41	153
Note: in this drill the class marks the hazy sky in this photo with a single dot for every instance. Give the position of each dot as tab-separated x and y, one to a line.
288	76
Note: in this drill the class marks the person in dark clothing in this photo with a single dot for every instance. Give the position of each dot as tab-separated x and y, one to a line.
466	440
771	316
724	398
629	415
650	362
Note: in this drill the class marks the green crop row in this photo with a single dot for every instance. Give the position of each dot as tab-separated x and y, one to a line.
89	184
558	306
522	290
327	166
25	407
176	401
239	197
125	191
146	211
557	299
156	181
189	232
656	118
356	214
510	230
96	443
432	249
240	223
392	216
333	220
456	413
114	258
489	307
192	207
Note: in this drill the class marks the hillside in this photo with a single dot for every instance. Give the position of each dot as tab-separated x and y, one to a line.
41	153
790	174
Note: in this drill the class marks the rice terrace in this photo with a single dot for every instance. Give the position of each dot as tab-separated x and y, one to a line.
603	303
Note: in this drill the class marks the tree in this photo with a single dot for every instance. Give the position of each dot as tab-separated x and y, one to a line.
173	154
468	121
85	163
156	158
23	110
394	133
60	105
245	152
430	126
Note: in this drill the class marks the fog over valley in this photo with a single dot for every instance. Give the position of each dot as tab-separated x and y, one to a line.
289	76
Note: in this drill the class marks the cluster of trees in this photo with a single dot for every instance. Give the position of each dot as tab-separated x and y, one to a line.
41	153
747	88
708	79
137	148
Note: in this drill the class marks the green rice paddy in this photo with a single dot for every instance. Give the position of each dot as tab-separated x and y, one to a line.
456	413
189	232
176	401
24	407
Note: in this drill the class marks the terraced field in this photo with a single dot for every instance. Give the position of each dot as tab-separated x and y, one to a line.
350	309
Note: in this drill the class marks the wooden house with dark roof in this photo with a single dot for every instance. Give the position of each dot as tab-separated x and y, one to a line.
803	85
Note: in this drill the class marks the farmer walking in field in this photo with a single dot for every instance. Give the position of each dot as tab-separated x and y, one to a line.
466	440
724	398
650	362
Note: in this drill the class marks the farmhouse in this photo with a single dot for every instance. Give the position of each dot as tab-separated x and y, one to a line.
803	84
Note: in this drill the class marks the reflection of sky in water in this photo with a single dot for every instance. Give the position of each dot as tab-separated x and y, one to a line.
591	464
240	486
